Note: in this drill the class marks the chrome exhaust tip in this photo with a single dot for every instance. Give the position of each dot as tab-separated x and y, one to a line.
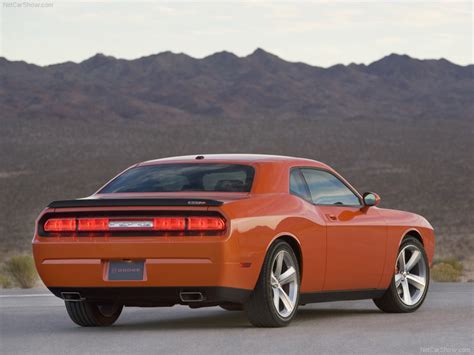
189	297
72	297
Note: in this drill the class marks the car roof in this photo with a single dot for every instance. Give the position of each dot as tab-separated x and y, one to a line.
237	158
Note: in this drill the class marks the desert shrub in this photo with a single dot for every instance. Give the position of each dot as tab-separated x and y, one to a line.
454	262
21	270
444	272
5	281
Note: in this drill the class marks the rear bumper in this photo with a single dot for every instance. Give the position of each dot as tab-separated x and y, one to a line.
154	296
179	262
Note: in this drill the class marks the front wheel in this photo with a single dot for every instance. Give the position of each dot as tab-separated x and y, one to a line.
410	282
274	301
87	314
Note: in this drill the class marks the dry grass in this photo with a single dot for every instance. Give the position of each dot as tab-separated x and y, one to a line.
20	269
449	269
5	281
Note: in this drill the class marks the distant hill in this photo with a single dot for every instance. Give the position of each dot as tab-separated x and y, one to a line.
400	126
224	85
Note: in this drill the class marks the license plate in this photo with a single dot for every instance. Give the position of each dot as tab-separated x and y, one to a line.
125	270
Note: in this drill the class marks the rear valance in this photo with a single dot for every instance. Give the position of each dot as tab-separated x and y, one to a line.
134	202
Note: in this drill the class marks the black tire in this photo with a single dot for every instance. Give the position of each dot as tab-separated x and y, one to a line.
232	306
261	311
88	314
390	302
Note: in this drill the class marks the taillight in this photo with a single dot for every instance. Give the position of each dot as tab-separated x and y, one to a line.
93	224
206	224
60	225
157	224
169	224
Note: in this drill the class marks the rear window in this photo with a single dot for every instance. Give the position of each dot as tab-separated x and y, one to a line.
184	177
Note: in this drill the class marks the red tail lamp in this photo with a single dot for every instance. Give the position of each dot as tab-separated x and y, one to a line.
181	224
169	224
93	224
60	225
206	224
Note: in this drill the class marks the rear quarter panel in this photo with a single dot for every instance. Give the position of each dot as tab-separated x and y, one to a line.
256	222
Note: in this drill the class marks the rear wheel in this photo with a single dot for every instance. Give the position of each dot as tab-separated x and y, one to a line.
274	301
87	314
410	283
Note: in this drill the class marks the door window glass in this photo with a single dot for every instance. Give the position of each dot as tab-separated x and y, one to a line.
327	189
298	186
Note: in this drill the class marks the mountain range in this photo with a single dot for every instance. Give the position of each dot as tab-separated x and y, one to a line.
224	85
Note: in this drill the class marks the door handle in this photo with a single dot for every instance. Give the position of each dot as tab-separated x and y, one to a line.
331	217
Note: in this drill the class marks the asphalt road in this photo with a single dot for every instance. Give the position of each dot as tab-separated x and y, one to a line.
34	323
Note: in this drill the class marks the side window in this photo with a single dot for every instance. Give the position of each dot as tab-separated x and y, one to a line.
298	186
326	189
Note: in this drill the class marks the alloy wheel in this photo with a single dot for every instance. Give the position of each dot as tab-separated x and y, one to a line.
410	276
284	284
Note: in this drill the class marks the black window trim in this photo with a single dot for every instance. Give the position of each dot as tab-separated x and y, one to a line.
354	191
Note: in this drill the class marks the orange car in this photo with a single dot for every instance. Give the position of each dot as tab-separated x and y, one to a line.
257	233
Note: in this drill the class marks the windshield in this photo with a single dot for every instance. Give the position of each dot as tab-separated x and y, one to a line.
183	177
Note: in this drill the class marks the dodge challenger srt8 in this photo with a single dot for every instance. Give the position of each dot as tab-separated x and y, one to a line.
258	233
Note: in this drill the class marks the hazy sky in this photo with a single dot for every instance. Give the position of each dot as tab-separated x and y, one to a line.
318	33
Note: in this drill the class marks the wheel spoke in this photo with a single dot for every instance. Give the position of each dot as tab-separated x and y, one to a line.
406	292
417	281
398	280
279	264
274	279
288	276
415	257
286	300
276	298
401	261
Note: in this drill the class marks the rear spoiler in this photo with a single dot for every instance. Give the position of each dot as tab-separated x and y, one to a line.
134	202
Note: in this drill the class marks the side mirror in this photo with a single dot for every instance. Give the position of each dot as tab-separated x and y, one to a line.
371	199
